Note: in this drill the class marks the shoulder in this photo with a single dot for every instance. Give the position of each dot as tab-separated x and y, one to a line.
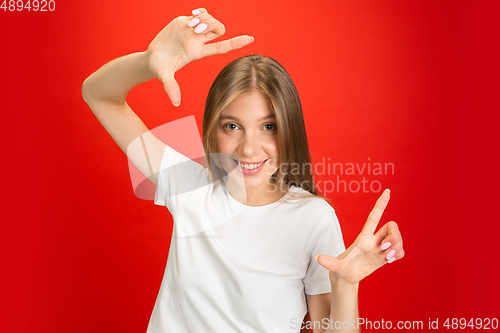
320	218
300	197
301	203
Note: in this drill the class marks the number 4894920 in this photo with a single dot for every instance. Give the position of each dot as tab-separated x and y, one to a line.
30	5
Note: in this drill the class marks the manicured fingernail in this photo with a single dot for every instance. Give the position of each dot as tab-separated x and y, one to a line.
390	254
391	259
200	28
194	22
385	246
317	258
196	12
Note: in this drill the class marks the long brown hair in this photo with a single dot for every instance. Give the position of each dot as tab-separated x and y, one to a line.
257	72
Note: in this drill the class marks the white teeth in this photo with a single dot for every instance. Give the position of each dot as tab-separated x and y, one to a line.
250	166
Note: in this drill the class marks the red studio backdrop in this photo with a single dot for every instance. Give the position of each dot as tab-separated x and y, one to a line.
398	93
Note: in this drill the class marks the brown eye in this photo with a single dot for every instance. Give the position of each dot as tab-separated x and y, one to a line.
270	127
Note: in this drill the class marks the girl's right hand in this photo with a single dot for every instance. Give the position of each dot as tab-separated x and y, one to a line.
184	40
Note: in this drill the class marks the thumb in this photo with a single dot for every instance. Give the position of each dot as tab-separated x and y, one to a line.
330	263
172	89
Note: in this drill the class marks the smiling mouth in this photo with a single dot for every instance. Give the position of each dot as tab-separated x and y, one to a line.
249	166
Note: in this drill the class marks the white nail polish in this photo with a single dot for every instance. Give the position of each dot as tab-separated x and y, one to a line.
196	12
200	28
391	259
385	246
390	254
193	22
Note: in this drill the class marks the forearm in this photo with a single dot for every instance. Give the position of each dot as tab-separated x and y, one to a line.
344	308
113	81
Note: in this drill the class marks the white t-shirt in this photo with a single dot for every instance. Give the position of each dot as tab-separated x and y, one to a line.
238	268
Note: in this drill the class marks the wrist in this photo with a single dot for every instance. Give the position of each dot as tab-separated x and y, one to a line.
144	65
342	284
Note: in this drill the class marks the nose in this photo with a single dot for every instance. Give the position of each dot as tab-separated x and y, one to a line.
249	146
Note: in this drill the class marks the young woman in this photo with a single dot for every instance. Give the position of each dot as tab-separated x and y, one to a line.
253	246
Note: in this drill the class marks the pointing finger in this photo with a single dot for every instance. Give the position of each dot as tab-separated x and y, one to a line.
226	45
376	213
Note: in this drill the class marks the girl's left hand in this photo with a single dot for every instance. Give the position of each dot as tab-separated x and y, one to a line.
369	251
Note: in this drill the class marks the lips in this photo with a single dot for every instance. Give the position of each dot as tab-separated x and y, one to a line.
249	168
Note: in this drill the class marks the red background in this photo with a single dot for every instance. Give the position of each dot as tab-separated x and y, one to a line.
405	82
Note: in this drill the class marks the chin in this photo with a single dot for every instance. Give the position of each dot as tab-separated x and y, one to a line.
251	184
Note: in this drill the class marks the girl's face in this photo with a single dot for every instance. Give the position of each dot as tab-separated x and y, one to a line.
248	130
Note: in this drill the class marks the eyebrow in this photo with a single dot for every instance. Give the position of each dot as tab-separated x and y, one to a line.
236	119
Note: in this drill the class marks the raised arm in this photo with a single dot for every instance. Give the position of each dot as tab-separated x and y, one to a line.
105	91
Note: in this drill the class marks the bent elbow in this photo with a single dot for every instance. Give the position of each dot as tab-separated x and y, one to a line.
86	95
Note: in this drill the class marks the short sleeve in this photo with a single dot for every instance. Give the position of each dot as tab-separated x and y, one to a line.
328	241
178	175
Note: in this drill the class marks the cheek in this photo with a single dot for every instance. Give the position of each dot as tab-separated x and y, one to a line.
221	143
273	152
224	155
